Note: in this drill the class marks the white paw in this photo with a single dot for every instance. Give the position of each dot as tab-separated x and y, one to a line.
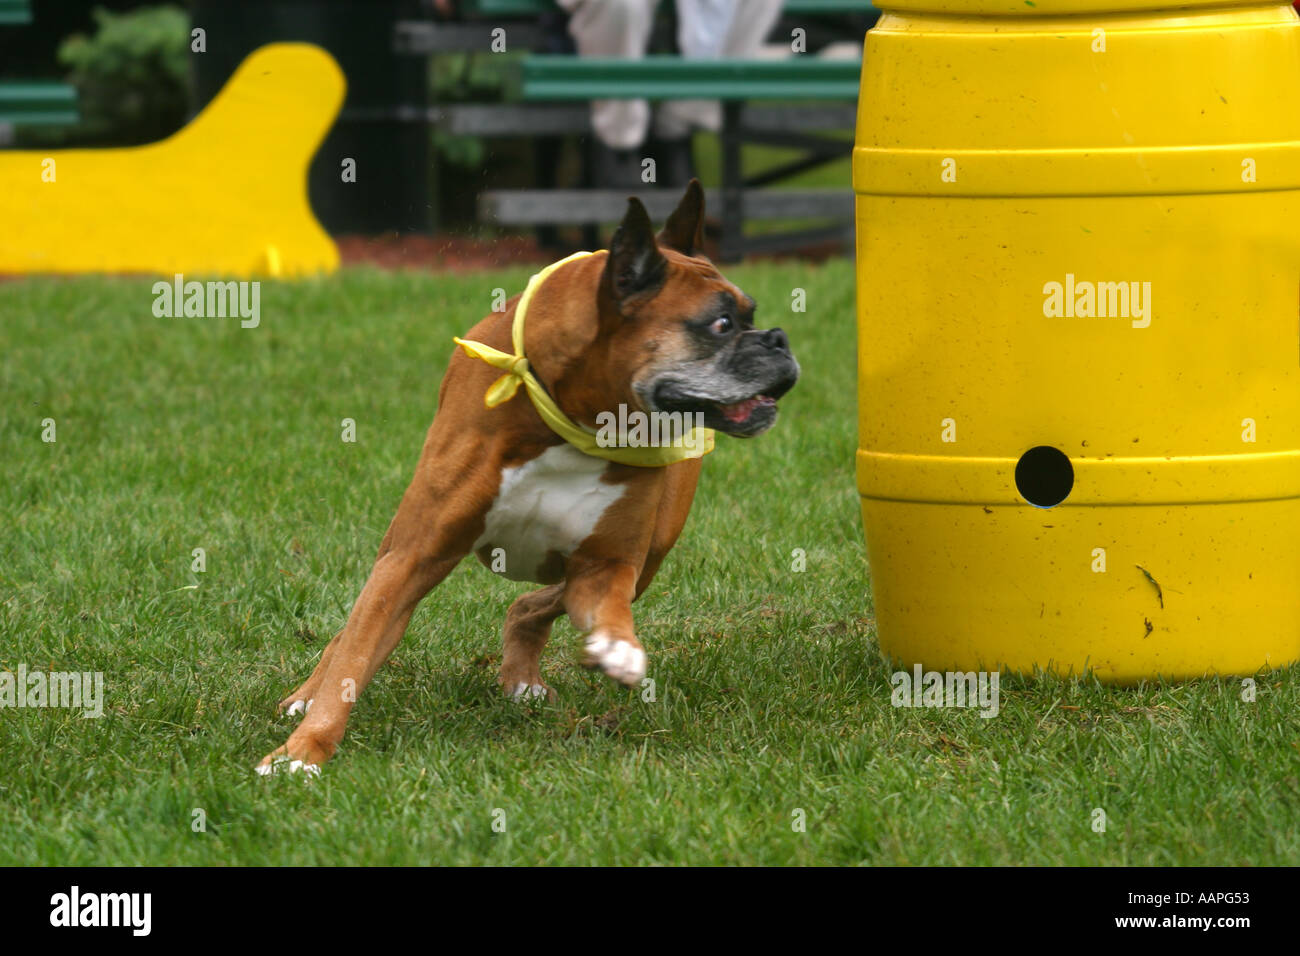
299	707
522	690
617	658
292	766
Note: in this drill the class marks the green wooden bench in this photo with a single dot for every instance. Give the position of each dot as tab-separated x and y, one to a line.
482	9
673	78
736	83
817	7
550	97
527	8
33	102
14	12
481	17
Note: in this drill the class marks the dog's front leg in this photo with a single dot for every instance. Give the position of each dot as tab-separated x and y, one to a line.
598	599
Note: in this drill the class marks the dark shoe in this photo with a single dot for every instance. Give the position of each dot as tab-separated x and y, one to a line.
674	161
615	168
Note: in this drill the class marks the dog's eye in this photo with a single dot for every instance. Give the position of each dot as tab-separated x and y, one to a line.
721	325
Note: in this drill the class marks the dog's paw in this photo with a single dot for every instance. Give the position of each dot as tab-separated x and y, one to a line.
525	687
303	752
283	764
298	707
619	659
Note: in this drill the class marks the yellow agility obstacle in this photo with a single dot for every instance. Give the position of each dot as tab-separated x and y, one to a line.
1079	362
225	196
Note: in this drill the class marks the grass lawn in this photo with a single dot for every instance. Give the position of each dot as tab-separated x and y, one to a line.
176	434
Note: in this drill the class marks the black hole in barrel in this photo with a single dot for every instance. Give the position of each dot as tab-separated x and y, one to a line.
1044	476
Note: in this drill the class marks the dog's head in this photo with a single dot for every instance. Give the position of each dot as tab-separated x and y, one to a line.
685	331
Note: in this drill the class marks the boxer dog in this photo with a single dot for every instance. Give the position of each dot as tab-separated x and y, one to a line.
649	325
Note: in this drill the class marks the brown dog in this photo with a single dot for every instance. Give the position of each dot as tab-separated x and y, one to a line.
647	328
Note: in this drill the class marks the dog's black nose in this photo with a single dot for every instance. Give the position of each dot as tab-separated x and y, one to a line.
775	339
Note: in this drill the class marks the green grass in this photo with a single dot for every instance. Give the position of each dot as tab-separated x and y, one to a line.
175	434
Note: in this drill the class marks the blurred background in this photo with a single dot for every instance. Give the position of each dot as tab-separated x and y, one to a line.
469	120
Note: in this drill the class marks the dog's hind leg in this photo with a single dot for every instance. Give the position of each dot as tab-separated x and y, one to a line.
528	628
432	531
396	585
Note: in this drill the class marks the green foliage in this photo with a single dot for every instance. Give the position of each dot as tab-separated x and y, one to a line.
467	78
131	75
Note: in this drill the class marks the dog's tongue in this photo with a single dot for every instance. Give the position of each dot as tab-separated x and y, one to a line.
737	412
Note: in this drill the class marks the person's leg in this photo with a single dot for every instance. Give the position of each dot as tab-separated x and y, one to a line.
710	30
614	28
749	27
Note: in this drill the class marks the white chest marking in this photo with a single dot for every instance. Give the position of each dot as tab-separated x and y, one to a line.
551	503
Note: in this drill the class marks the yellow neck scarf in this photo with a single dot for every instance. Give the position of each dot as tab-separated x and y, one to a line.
695	444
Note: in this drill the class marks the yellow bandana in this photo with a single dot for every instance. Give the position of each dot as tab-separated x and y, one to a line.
697	443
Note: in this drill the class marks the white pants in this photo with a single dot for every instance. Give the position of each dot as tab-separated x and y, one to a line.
707	29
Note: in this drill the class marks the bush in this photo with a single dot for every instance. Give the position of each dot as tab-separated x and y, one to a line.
132	76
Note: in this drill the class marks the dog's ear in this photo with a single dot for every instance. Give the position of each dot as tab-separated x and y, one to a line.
684	230
635	263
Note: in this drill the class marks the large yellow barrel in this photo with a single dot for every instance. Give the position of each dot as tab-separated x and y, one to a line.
1079	335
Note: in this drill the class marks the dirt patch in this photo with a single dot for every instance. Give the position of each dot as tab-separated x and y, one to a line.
440	253
462	254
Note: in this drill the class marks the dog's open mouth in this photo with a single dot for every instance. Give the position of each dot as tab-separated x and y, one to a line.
744	418
739	412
